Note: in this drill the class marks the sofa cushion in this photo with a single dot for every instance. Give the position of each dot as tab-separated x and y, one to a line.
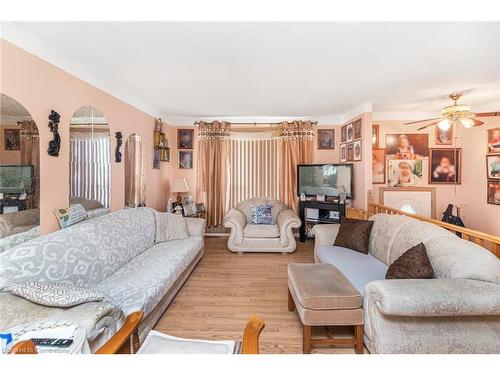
170	227
57	294
261	231
246	207
262	214
354	234
141	283
454	258
358	268
83	254
322	286
413	264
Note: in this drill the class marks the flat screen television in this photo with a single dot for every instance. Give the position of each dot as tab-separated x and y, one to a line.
326	179
16	179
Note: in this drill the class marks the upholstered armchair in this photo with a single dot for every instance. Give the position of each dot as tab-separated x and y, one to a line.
248	237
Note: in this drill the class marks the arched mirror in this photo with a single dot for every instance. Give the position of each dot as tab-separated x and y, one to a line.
90	161
135	186
19	174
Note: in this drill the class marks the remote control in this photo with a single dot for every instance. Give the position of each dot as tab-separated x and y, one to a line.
60	343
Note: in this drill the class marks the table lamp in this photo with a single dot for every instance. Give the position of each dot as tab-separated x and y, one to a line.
180	186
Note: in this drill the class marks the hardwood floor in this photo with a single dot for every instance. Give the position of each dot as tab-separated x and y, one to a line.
225	289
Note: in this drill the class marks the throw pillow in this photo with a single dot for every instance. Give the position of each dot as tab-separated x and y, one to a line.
354	234
70	216
413	264
170	227
262	214
57	294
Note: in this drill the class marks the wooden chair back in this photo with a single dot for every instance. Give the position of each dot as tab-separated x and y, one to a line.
24	347
251	335
126	340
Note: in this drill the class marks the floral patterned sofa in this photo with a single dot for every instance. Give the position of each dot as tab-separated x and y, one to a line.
115	254
456	312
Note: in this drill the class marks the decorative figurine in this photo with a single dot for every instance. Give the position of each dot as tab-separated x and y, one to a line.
119	141
55	143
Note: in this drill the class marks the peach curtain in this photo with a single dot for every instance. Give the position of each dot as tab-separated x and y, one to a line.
213	169
296	147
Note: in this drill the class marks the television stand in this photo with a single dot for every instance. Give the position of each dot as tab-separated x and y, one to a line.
327	213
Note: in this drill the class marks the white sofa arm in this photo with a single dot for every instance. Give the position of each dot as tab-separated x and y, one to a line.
324	234
433	297
195	226
286	221
236	221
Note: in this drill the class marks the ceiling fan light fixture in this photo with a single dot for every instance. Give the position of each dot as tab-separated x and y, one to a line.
467	122
444	124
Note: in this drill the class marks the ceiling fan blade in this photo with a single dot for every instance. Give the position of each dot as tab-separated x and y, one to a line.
488	114
477	122
426	126
416	122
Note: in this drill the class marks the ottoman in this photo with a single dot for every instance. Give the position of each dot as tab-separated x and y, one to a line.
323	296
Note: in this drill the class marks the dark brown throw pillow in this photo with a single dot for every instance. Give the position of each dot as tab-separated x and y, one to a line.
354	234
413	264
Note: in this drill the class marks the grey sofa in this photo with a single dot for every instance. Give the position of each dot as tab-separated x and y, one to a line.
247	237
456	312
115	254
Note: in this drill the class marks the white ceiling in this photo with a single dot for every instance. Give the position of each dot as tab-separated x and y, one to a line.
206	69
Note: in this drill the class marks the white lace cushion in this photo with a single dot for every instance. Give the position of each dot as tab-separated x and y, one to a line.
57	294
170	227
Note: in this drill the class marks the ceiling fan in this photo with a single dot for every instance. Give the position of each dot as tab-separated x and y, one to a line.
456	114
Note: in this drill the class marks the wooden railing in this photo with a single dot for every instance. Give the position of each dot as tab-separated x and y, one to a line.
489	242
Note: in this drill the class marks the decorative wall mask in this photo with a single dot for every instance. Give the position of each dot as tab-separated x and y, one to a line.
119	141
55	143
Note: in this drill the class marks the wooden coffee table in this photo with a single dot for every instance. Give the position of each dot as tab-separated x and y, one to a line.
323	296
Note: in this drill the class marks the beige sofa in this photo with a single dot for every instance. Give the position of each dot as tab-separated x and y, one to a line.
456	312
115	254
247	237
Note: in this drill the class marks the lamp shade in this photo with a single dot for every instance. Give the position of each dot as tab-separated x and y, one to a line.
180	186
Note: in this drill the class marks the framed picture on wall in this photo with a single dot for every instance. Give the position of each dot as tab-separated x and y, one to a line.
185	159
156	158
350	152
185	139
493	167
343	133
407	146
357	150
378	165
445	166
375	136
404	173
343	152
349	133
444	137
358	131
494	140
12	139
494	192
326	139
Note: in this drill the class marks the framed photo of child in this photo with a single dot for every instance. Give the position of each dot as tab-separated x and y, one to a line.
357	129
378	165
343	152
493	167
326	139
494	192
445	166
343	134
494	141
444	137
404	173
185	159
407	146
185	139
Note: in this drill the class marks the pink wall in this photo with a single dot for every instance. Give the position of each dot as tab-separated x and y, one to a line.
472	192
40	87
